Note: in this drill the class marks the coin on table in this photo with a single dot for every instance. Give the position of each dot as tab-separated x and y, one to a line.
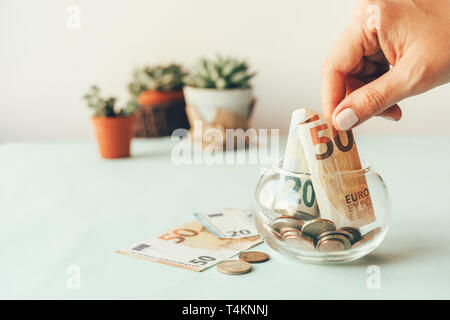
334	242
234	267
254	257
313	228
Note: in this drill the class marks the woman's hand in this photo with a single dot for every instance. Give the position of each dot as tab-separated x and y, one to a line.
412	36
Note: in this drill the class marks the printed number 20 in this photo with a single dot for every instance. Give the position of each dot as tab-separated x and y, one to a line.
328	142
308	185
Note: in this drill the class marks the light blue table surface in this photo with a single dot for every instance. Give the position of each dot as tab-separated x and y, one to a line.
61	205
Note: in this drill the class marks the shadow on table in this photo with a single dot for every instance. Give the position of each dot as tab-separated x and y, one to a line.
404	250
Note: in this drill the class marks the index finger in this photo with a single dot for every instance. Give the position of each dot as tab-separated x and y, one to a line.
344	56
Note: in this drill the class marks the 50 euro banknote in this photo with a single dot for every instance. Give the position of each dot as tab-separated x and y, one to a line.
190	246
337	175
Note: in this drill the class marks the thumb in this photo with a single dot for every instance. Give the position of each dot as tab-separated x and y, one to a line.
372	99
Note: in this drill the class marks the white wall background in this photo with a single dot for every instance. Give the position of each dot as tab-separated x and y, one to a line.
45	67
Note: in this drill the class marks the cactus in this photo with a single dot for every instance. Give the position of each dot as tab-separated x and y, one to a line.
107	107
159	78
221	73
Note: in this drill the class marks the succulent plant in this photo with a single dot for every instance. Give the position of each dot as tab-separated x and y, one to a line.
107	107
160	78
221	73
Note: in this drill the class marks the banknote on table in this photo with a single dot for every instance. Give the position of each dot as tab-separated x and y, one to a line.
343	198
229	223
190	246
296	196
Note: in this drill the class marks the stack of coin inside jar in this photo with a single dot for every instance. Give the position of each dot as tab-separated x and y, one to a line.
317	234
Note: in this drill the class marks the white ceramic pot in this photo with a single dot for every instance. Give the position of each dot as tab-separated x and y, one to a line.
207	101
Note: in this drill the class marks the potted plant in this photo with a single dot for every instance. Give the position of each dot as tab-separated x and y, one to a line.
113	126
158	90
219	87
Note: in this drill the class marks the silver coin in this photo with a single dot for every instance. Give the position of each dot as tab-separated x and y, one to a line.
315	227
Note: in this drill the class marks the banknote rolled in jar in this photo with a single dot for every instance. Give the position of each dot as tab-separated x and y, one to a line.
296	196
339	182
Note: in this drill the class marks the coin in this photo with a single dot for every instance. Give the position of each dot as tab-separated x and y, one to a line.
285	230
333	242
330	245
373	233
286	222
234	267
314	227
254	256
356	233
367	237
275	234
290	234
300	242
350	236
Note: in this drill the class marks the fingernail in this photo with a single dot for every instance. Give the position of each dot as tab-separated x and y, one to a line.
388	118
346	119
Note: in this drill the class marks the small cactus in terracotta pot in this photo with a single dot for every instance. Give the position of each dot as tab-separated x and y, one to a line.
113	125
158	91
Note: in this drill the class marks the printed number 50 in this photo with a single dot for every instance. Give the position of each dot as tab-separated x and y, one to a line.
328	142
180	235
202	260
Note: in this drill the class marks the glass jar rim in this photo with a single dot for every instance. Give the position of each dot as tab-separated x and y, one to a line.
365	168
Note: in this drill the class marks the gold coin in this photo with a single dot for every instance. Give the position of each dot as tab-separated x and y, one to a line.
234	267
293	233
350	236
287	231
329	243
275	234
287	222
313	228
355	231
300	242
367	237
254	256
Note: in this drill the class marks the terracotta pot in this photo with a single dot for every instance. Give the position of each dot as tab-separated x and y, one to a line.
114	135
149	97
160	113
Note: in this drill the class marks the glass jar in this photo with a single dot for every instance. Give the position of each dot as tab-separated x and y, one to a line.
289	231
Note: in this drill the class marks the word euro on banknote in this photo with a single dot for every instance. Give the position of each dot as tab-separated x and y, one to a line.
339	181
296	196
229	223
189	246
